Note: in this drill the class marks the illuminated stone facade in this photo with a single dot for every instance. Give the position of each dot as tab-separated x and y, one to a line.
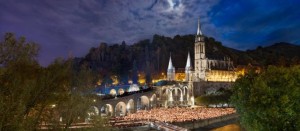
221	76
207	69
208	74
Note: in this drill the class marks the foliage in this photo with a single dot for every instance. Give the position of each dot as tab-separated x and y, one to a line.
270	100
222	96
22	51
31	95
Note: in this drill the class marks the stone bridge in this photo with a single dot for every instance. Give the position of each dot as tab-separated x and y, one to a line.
167	96
121	106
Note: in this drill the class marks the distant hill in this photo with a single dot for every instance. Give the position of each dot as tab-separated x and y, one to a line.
118	59
275	54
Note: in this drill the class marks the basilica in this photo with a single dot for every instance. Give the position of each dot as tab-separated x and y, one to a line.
206	69
208	74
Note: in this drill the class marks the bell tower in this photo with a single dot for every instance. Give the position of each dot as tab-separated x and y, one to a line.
200	58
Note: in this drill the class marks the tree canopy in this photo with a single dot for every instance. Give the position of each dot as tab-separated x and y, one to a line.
221	96
31	94
269	100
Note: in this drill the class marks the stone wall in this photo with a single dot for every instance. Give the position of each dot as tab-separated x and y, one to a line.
201	87
202	123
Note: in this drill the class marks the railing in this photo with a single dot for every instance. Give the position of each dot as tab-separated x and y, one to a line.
166	126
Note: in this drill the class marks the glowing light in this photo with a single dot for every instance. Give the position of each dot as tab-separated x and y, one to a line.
115	80
128	106
156	80
133	87
179	76
142	78
113	92
221	76
175	6
142	81
121	91
175	114
193	101
99	82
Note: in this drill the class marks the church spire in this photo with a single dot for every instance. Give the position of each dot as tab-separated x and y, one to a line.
171	71
199	32
170	66
188	62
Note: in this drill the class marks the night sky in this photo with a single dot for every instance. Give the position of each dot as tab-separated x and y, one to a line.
64	27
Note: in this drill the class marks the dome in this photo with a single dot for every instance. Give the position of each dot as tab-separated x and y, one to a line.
133	87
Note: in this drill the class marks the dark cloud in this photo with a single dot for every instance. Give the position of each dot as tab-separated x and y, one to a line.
247	24
72	27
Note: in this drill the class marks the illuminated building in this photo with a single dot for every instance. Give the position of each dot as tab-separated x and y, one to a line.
209	73
208	69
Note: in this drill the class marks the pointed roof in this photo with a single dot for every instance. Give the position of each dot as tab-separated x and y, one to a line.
170	66
199	32
188	61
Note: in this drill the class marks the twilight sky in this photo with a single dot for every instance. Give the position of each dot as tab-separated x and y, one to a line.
64	27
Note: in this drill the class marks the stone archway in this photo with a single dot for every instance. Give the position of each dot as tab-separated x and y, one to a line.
164	94
113	92
143	103
106	110
175	94
169	95
91	112
120	109
185	93
121	91
130	106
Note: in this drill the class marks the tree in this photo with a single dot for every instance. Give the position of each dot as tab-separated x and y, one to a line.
31	95
295	61
282	61
270	100
13	50
222	96
18	84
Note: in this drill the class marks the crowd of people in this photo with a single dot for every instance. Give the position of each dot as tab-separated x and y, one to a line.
178	114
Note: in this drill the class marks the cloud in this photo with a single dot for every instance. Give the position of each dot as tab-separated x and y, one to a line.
75	26
247	24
